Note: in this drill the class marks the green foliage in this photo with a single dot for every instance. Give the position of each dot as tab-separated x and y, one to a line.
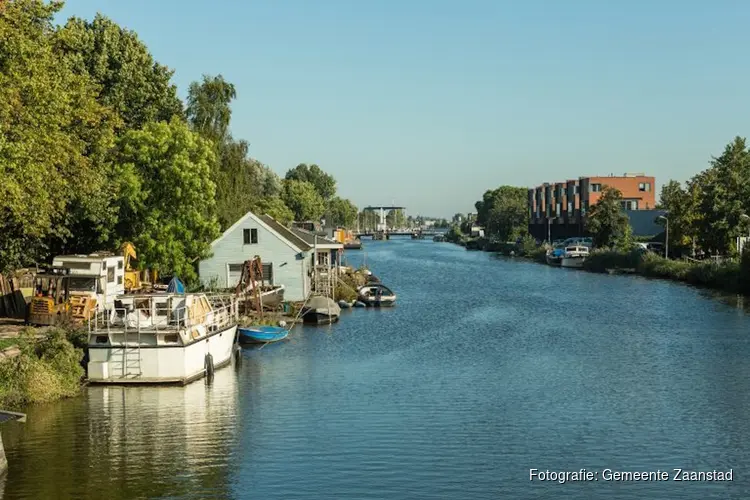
46	370
368	219
606	221
208	106
528	245
503	212
276	208
454	234
601	259
303	200
54	137
324	183
341	212
168	206
131	83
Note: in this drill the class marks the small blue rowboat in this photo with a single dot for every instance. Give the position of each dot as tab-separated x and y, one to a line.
262	334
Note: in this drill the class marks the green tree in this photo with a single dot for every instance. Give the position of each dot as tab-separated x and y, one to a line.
208	106
324	183
723	197
303	200
503	212
275	207
130	81
54	140
681	205
167	206
341	212
607	222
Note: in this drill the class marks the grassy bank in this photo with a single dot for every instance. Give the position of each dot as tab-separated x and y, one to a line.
731	276
47	369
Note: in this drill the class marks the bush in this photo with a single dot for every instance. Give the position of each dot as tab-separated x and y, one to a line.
600	260
46	370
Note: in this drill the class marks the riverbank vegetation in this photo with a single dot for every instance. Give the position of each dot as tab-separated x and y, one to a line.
46	369
97	148
705	217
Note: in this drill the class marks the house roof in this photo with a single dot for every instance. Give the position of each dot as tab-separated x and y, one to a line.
271	225
312	239
286	233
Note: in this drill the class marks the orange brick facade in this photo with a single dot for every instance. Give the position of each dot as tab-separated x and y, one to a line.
559	209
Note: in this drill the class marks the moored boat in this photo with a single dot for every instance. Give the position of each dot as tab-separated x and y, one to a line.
574	256
554	256
438	238
321	310
376	295
262	334
161	338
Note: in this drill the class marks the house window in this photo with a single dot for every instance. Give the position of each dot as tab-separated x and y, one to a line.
595	188
629	204
250	236
119	280
119	264
111	274
644	186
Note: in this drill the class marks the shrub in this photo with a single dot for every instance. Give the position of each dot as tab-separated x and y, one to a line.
45	370
602	259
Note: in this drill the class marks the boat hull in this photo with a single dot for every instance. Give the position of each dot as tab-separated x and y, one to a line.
319	318
355	245
160	364
384	302
554	261
262	335
572	262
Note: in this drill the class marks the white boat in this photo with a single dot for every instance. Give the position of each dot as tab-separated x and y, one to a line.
574	256
161	338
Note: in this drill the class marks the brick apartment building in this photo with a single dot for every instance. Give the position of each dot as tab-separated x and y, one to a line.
559	209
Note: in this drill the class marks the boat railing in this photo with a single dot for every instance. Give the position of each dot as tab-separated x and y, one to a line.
140	320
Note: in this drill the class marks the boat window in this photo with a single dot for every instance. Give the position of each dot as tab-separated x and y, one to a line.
102	339
171	339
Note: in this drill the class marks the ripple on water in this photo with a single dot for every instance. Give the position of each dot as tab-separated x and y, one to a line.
486	368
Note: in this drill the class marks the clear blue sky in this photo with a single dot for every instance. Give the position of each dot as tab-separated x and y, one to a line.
430	103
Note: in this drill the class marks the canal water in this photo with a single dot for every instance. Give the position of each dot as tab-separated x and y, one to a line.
487	368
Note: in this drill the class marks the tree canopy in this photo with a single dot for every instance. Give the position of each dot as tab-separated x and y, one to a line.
503	212
303	200
324	183
607	223
96	148
341	212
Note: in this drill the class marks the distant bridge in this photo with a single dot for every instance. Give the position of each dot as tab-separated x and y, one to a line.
398	232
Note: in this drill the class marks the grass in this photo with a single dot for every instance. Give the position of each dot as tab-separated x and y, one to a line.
47	369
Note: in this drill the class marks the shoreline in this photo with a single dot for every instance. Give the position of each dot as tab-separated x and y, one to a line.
731	276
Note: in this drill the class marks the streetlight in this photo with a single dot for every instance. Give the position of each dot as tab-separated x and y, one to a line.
666	238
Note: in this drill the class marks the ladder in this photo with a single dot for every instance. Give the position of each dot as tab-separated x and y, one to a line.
131	356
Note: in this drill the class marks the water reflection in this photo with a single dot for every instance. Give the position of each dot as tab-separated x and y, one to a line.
128	442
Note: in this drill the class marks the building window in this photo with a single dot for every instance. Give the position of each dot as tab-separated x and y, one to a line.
570	207
250	236
119	264
111	274
119	280
595	188
644	186
577	189
557	210
629	204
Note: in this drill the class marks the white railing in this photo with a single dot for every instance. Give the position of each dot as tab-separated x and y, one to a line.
127	319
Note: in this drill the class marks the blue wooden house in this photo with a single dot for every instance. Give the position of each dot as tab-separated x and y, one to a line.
287	255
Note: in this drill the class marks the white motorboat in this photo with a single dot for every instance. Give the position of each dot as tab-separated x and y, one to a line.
161	338
574	256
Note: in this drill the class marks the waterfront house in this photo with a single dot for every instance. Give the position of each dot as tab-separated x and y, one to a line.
286	254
